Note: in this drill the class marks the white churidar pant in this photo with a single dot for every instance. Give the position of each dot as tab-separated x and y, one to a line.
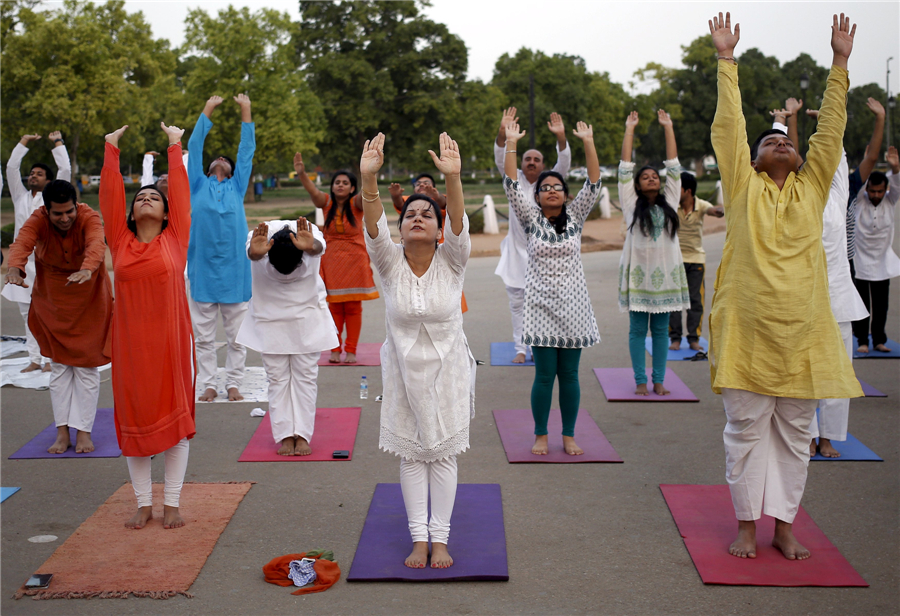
34	349
292	394
204	315
766	453
73	394
517	310
834	414
176	466
415	478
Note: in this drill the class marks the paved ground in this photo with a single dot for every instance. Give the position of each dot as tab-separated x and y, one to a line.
582	539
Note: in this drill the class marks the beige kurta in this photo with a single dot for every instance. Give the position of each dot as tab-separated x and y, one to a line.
771	327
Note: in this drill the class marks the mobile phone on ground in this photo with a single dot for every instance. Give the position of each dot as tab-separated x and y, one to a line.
341	454
39	580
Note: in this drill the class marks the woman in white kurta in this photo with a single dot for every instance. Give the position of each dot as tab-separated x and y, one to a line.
652	282
427	370
289	323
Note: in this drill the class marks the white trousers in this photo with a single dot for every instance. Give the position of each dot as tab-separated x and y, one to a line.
834	414
176	466
204	315
292	394
517	310
766	453
73	393
415	478
34	349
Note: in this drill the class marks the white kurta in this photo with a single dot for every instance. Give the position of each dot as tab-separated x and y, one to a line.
424	421
147	168
514	247
24	204
875	259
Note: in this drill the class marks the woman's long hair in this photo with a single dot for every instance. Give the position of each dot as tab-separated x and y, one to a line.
642	216
561	221
347	208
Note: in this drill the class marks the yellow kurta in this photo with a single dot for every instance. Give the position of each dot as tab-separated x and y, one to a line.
771	327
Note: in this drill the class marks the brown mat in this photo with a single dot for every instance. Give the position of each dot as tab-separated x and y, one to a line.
104	559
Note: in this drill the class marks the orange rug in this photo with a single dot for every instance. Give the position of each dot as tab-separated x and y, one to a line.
104	559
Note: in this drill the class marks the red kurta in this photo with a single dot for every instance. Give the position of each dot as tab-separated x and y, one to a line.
345	267
152	344
70	323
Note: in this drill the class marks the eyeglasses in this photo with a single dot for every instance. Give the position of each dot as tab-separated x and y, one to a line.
549	187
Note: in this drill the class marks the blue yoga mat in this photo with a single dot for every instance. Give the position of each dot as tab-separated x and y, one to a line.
851	450
7	492
684	353
106	445
873	354
502	354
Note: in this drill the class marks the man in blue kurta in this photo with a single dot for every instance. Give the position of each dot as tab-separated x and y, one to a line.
218	267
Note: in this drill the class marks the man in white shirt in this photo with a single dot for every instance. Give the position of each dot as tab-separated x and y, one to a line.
289	323
27	199
513	248
162	182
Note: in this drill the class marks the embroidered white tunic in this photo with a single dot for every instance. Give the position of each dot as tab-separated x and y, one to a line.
558	311
651	269
875	259
427	370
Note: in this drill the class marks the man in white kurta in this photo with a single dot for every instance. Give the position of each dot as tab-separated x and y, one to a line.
27	199
514	247
162	182
289	323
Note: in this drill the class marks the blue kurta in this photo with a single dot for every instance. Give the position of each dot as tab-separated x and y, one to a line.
218	267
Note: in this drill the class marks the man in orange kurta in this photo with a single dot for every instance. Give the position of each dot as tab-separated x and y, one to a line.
71	305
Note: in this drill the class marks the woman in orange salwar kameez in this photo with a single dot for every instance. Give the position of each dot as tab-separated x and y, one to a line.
345	269
152	347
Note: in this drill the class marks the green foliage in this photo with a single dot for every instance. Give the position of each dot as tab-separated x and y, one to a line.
6	234
476	222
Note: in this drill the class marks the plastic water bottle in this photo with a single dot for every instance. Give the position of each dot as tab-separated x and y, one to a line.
364	389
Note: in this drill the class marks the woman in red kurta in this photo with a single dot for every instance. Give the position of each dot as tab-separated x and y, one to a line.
345	268
152	347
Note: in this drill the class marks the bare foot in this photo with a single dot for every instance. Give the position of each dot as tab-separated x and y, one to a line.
171	517
785	541
209	395
571	447
695	346
540	445
641	390
659	390
47	367
418	557
140	519
675	346
813	448
440	557
63	442
83	442
863	348
335	357
30	368
301	447
287	447
234	395
882	349
519	358
827	449
350	359
745	544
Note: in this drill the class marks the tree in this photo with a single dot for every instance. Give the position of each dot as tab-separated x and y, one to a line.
471	114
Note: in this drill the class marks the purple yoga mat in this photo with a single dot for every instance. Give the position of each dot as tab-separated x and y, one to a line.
516	428
104	436
477	539
618	386
869	391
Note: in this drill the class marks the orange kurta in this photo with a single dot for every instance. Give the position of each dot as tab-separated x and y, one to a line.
70	323
345	265
152	345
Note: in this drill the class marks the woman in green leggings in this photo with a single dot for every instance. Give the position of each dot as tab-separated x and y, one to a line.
559	320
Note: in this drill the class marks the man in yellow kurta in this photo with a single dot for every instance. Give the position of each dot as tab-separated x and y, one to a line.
775	348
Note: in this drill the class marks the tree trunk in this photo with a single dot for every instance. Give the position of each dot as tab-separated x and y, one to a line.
698	167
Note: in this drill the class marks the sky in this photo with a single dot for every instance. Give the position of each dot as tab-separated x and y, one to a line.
621	37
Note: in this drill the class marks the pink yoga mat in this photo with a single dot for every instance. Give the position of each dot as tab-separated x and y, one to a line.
335	430
516	428
367	354
618	386
705	518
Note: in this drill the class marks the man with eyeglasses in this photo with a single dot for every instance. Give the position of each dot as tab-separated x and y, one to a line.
513	248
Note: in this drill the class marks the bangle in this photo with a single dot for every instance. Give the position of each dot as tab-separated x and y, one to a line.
375	198
727	58
510	151
365	192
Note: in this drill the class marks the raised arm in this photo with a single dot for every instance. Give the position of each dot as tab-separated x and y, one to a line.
874	148
195	144
179	187
793	107
449	163
510	164
396	193
369	164
14	174
319	198
893	159
665	120
631	123
556	126
112	192
585	132
518	201
147	168
509	116
247	148
60	157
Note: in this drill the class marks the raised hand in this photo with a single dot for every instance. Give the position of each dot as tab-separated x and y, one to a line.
431	191
299	165
373	155
813	113
875	107
54	136
26	139
260	242
395	190
513	133
14	276
242	99
632	120
665	120
114	136
893	159
303	239
214	101
173	132
556	126
793	105
152	153
723	38
509	115
583	131
842	36
784	114
79	277
449	162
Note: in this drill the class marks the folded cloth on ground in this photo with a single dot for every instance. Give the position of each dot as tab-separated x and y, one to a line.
327	571
302	572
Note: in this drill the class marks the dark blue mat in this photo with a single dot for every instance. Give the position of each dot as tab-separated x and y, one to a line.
7	492
873	354
682	354
851	450
502	354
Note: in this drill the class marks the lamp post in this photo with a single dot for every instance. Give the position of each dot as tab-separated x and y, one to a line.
892	102
890	105
804	83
